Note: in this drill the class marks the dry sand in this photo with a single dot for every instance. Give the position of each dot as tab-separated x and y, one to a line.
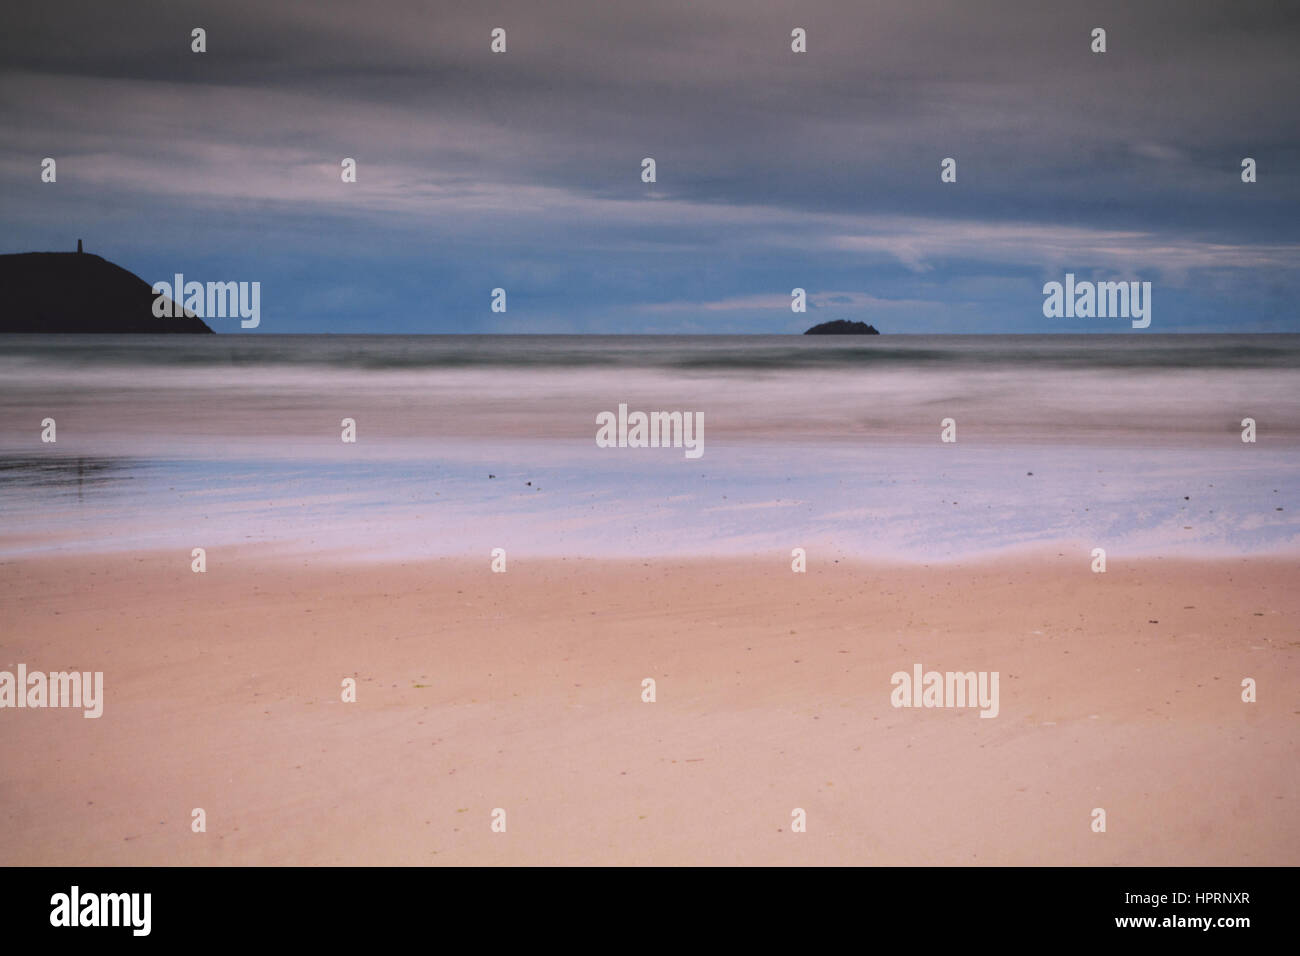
523	691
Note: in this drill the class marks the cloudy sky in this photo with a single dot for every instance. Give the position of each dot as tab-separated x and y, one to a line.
775	169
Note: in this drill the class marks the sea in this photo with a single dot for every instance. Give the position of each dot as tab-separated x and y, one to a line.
1133	443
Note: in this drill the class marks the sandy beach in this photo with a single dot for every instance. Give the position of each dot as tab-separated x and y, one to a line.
329	560
522	691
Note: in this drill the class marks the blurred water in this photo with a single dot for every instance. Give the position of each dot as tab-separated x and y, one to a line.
829	444
682	352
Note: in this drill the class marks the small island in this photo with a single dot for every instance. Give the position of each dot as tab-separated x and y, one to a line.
843	327
78	292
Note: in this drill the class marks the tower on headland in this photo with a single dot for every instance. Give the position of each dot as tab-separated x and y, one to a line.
78	245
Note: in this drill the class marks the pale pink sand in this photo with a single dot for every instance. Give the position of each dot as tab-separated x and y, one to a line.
223	692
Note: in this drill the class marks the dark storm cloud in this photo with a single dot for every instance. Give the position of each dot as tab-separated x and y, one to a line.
528	164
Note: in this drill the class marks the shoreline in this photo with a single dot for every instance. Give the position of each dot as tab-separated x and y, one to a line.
303	552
